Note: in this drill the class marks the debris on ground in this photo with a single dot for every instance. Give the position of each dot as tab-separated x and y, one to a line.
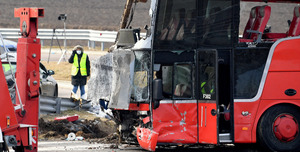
69	118
87	127
112	138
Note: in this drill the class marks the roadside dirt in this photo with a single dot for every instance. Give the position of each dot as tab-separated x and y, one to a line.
88	126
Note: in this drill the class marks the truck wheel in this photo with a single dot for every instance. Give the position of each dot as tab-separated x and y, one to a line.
278	128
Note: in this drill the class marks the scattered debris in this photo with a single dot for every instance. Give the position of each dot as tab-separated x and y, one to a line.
110	139
67	128
71	136
68	118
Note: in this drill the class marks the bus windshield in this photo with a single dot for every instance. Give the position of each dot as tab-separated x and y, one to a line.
192	24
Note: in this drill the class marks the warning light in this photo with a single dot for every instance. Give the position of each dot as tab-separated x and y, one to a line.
245	128
7	121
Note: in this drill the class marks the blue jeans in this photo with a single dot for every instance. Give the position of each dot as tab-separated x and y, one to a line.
82	91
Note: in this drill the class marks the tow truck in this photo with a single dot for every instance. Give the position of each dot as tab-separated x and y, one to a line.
19	121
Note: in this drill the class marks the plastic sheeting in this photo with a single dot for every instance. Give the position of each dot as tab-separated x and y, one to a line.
99	85
121	82
110	79
119	77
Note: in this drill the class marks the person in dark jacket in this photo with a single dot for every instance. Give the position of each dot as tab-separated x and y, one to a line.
80	70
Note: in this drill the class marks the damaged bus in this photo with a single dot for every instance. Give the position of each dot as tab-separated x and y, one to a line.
200	82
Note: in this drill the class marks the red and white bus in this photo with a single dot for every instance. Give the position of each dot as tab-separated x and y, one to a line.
204	83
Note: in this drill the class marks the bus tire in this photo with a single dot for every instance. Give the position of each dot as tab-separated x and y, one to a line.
279	129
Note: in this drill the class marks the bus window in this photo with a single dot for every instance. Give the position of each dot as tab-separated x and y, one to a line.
192	23
207	75
176	24
140	85
217	23
248	69
183	81
167	75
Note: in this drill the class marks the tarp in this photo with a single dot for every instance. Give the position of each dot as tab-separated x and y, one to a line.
111	79
99	85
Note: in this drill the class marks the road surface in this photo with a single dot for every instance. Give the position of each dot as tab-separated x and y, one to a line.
80	146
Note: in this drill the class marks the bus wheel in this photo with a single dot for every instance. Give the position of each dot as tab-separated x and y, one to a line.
278	128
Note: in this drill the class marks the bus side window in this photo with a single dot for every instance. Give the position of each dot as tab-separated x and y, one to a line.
167	79
183	81
207	75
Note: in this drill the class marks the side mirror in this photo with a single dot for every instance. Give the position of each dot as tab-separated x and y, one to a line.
157	92
50	72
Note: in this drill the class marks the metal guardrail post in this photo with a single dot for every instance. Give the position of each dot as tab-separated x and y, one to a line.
58	105
93	44
102	46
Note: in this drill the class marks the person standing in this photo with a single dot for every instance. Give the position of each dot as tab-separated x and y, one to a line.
80	71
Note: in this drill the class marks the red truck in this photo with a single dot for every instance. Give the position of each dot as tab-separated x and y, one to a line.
19	121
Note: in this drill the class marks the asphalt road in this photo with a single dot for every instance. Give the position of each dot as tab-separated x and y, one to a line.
76	146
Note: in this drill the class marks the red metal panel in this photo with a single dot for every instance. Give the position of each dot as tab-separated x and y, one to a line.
207	123
176	122
68	118
243	133
278	82
139	107
7	109
286	56
244	117
147	138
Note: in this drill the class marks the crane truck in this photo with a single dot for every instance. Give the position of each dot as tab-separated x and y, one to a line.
19	121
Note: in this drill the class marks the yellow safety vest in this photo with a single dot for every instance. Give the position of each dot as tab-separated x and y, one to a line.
6	67
203	90
75	66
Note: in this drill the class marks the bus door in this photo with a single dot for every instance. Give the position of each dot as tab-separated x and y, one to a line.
208	98
175	119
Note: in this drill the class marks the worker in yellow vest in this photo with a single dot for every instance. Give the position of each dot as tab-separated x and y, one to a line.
80	70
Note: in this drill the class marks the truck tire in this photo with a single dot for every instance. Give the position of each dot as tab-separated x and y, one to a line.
279	129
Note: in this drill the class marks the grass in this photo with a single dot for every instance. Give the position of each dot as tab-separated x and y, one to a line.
62	70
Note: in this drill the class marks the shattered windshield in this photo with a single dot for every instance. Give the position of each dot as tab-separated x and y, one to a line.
140	90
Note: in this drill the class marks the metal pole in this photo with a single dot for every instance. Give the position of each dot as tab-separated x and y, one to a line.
102	46
65	43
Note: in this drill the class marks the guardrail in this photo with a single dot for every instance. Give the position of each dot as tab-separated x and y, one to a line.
91	36
56	105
